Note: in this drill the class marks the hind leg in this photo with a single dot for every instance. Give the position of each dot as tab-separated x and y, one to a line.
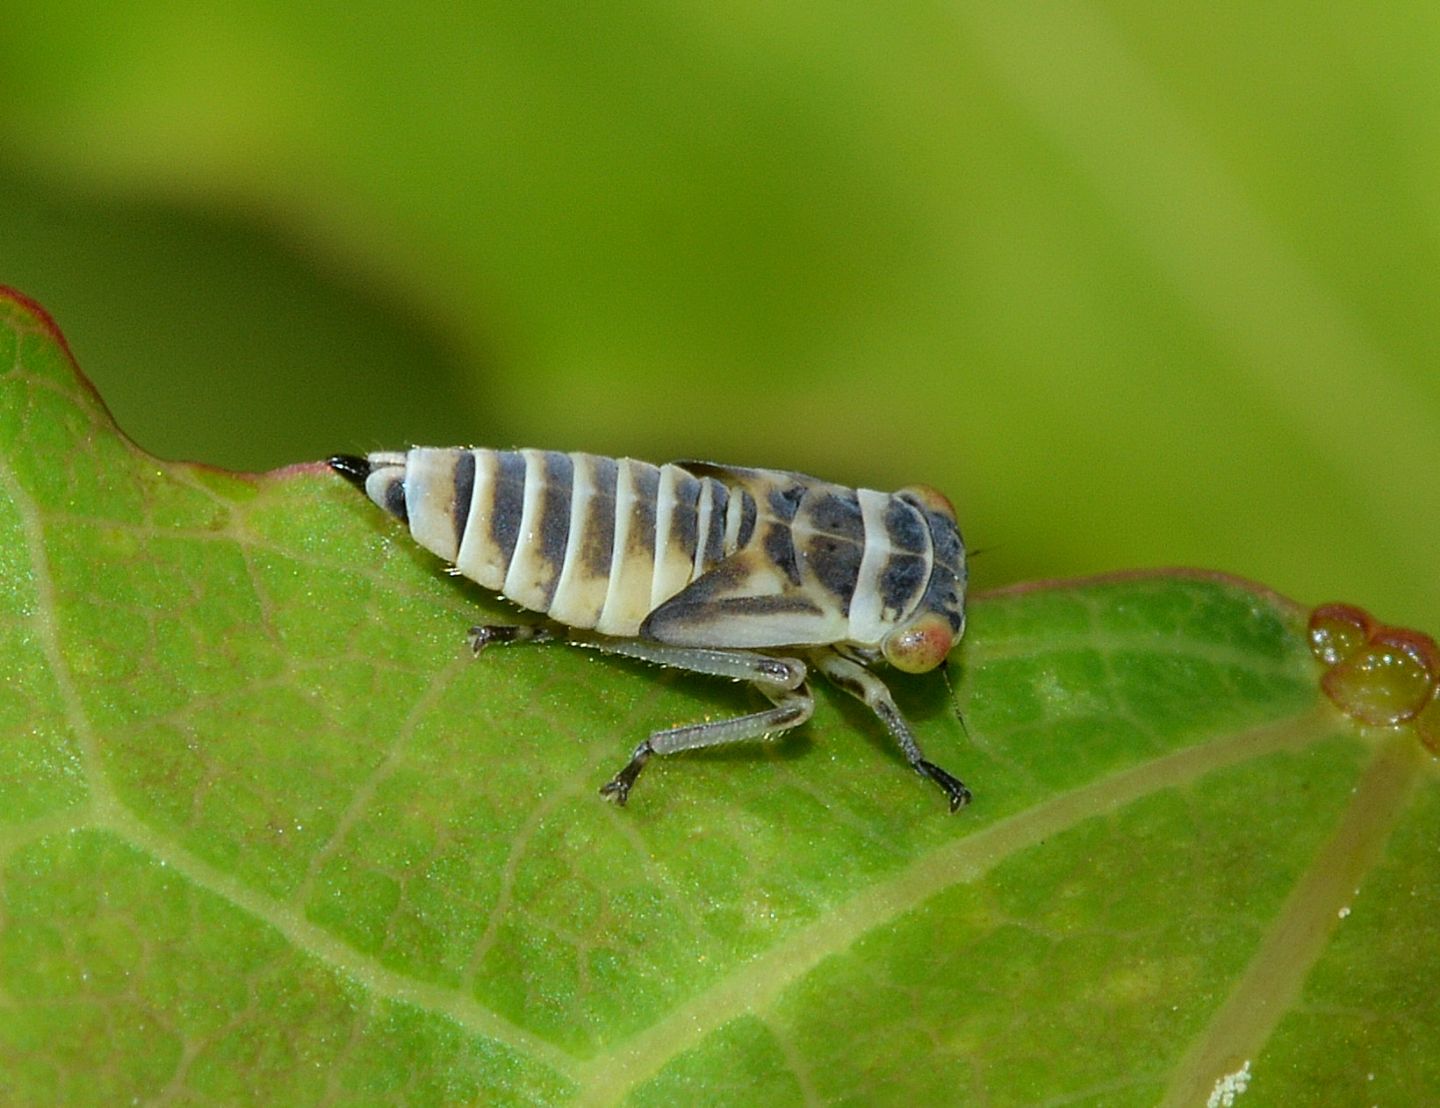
792	708
782	680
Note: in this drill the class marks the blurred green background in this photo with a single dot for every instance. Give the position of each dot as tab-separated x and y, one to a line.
1134	284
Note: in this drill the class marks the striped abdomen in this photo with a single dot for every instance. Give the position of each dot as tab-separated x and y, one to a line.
691	554
592	542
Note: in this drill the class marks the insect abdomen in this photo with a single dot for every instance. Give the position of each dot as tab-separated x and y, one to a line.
592	542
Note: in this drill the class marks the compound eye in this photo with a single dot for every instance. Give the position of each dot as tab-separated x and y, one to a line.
921	646
932	500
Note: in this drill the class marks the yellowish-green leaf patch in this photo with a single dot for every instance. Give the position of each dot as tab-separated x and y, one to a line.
269	834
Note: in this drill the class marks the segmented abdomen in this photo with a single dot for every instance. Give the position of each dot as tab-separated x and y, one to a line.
592	542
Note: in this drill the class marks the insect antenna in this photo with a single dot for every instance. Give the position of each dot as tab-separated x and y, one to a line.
954	704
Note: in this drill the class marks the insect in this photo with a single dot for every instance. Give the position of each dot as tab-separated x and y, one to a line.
752	574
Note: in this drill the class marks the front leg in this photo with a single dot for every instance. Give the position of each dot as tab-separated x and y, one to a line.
859	682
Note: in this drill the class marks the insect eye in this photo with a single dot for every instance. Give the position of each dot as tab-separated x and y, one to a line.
932	500
921	646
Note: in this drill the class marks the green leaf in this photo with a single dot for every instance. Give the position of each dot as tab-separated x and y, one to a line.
268	834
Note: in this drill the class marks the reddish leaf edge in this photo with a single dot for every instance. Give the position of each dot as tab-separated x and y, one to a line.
1429	717
1130	576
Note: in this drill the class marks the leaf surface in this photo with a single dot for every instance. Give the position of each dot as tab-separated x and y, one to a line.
267	833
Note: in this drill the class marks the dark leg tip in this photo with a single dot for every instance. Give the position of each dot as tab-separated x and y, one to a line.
351	467
483	636
953	787
617	791
618	787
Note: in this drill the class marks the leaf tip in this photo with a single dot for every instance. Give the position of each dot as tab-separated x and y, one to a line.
42	319
22	315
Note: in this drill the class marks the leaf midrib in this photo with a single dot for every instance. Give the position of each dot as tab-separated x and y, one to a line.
606	1078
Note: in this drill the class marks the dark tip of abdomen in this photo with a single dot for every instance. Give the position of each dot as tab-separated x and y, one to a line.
351	467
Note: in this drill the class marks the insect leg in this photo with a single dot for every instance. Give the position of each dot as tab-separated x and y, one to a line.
500	633
782	680
859	682
739	665
792	708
